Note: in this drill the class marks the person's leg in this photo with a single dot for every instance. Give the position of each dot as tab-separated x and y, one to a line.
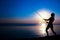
47	30
53	30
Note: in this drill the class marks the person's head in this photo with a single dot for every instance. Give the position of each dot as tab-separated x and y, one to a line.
52	14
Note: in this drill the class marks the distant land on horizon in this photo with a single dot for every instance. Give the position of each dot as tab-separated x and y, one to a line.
24	21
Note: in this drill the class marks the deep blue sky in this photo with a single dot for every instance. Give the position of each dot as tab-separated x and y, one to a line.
25	8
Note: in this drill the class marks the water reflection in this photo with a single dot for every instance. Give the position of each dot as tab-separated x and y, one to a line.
28	31
41	29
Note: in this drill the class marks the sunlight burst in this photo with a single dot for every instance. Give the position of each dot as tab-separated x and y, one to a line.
40	15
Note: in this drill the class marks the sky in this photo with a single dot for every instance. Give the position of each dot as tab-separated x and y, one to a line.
26	8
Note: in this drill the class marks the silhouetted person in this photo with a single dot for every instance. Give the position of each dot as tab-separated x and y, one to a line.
50	23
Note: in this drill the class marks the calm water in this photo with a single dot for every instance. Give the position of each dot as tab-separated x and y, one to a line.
26	31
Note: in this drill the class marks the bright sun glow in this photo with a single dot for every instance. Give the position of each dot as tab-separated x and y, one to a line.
44	14
39	15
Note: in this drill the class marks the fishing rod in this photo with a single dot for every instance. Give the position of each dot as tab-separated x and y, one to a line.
42	17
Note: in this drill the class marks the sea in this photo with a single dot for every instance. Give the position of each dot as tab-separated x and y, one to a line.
25	30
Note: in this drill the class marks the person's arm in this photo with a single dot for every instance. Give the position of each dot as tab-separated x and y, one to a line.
46	19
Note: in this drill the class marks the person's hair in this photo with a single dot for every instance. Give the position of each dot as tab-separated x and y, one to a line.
52	14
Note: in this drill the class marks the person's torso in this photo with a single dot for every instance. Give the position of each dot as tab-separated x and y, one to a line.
51	20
